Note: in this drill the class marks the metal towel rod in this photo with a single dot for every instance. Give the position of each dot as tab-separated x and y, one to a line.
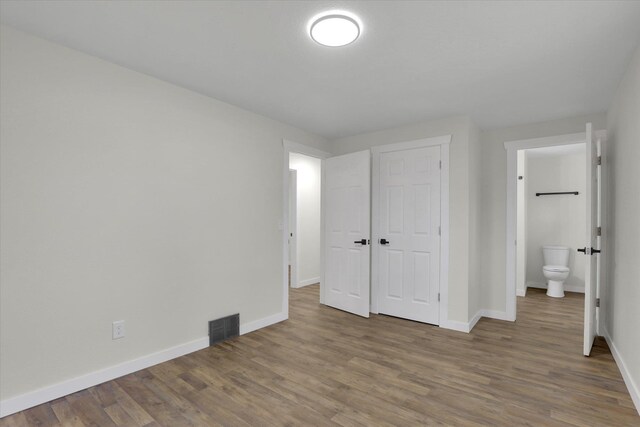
575	193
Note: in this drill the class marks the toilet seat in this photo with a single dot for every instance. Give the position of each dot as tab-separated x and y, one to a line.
556	268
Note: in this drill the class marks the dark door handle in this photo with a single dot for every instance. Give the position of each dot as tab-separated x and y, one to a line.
384	242
361	242
589	251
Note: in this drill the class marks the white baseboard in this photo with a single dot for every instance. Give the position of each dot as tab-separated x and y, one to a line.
454	325
55	391
474	320
307	282
495	314
568	288
633	388
521	292
468	326
262	323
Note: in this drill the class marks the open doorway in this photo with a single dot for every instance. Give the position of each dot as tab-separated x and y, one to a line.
545	174
305	176
346	235
551	219
302	179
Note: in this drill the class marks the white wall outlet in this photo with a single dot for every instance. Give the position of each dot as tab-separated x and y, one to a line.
118	329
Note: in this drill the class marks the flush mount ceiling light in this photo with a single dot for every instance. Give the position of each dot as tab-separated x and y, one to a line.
334	28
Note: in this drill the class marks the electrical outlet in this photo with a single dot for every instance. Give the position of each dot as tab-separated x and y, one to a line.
118	329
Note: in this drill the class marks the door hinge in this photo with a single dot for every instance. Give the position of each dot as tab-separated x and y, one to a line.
597	302
599	160
598	231
440	164
438	296
439	231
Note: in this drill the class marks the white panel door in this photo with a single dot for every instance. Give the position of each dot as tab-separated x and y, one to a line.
591	239
409	255
347	230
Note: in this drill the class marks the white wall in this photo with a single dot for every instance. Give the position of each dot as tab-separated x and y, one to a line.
476	246
459	128
521	224
124	197
556	220
621	296
307	218
493	205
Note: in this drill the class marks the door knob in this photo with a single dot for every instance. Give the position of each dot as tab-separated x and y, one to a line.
589	251
361	242
384	242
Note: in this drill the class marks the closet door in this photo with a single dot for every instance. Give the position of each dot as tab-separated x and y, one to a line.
347	191
409	234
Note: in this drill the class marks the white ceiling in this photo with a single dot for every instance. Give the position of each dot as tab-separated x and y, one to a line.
502	63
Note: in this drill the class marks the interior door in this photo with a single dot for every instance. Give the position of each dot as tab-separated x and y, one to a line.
409	255
347	230
591	250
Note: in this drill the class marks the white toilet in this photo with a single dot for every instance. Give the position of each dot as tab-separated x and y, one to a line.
555	270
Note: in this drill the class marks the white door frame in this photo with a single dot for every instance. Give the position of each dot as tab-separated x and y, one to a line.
293	222
512	148
294	147
444	142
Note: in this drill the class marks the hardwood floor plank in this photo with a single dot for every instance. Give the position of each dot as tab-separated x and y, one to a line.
42	416
15	420
88	409
66	414
162	412
119	416
104	394
130	406
186	408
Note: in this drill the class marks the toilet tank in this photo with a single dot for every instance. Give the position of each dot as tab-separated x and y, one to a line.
556	255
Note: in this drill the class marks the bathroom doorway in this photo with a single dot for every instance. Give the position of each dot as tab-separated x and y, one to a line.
551	219
554	223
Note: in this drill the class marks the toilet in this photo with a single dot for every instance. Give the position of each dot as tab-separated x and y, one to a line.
555	269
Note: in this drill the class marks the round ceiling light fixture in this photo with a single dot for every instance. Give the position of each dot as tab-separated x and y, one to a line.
335	28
